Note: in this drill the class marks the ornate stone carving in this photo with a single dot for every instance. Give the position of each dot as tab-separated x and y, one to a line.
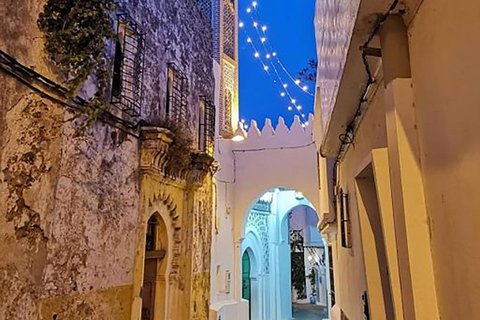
259	220
155	144
202	164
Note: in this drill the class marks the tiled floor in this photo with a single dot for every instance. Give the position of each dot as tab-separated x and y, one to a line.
309	312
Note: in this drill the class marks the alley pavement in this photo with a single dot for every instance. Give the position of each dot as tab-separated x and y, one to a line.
309	312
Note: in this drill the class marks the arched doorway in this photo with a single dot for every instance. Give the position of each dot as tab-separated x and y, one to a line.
247	282
154	284
267	239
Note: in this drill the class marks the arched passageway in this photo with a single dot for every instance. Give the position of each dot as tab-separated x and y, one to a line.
281	232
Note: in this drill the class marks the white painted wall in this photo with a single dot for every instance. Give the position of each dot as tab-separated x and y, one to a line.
264	160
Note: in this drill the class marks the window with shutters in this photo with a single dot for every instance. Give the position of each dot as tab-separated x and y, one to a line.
345	223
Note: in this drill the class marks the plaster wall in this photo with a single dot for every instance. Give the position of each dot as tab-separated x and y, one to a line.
444	40
350	279
72	204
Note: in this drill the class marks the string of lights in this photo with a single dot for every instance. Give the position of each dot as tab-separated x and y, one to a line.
265	41
268	54
284	92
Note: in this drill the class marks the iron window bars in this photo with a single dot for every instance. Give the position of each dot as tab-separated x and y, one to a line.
344	220
206	130
177	89
128	66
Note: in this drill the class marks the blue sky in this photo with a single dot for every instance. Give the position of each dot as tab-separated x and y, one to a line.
290	32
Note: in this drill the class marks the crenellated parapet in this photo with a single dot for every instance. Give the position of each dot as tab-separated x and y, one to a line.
281	136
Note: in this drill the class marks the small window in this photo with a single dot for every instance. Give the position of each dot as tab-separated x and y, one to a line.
345	224
128	66
331	274
150	244
177	91
206	129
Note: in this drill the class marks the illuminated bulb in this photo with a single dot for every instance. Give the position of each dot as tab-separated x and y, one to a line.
274	54
249	10
255	24
254	3
263	39
265	68
299	108
289	108
243	120
285	85
293	101
257	54
305	88
268	55
282	94
303	116
306	123
264	28
303	125
245	126
240	24
249	40
297	81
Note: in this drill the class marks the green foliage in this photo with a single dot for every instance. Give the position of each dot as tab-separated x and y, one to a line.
313	280
298	263
75	33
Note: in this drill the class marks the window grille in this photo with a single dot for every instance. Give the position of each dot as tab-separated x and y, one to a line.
229	28
177	89
344	220
332	280
206	8
128	66
206	128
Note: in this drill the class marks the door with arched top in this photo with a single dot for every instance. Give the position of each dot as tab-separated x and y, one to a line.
246	282
154	289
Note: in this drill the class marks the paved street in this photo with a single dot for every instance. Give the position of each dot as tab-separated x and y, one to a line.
309	312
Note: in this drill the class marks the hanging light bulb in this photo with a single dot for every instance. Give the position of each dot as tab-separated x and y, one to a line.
303	115
249	10
268	55
274	54
299	108
285	85
282	94
293	101
265	68
306	123
241	24
249	40
303	125
263	39
297	81
264	28
254	4
257	54
289	108
255	24
305	88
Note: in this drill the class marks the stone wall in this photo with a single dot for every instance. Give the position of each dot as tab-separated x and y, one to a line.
71	204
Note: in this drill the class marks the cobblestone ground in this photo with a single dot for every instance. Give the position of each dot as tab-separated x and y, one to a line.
309	312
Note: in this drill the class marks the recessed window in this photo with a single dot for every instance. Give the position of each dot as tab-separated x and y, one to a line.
128	66
177	91
206	129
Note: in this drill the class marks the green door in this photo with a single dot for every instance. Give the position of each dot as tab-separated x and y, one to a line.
246	283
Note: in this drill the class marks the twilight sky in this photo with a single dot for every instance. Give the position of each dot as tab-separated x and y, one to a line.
290	32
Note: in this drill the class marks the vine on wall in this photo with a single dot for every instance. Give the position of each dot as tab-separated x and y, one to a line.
75	33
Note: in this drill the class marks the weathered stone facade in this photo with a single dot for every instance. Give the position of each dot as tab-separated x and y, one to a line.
74	207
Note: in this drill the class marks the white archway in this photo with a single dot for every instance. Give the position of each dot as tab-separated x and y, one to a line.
282	156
